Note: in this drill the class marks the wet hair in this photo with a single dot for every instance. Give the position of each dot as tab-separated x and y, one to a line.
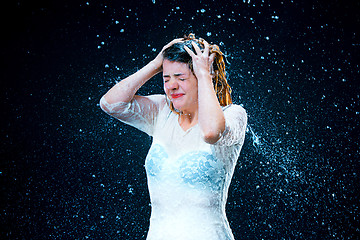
177	53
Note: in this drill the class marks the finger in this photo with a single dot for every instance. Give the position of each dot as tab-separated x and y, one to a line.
196	47
212	58
207	47
189	51
173	42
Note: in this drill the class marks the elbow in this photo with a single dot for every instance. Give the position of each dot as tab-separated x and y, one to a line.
103	104
211	137
116	108
213	132
106	106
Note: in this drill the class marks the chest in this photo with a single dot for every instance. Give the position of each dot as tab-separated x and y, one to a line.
179	157
198	169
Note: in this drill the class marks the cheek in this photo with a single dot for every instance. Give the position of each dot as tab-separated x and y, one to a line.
165	88
191	87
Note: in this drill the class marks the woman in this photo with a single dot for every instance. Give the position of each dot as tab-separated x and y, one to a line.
197	137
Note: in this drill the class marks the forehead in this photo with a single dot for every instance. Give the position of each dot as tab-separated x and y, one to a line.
172	67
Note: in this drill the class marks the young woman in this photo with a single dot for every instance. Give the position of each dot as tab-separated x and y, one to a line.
197	137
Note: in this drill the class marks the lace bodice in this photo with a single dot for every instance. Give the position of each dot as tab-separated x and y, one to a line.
188	179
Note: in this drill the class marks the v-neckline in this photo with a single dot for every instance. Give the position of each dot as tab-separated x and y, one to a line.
183	130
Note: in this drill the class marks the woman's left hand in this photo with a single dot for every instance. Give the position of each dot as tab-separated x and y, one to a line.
202	61
211	117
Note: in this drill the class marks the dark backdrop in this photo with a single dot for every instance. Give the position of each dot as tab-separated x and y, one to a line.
69	171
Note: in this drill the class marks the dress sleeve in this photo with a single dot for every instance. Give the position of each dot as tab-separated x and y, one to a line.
235	126
141	112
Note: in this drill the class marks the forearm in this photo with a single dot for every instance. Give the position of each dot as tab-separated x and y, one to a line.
125	90
211	117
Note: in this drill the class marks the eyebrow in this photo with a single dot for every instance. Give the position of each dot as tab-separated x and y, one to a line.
175	74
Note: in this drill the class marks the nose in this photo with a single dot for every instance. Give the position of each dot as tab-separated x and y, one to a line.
171	84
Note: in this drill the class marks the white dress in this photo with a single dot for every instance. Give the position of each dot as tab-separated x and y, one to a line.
188	179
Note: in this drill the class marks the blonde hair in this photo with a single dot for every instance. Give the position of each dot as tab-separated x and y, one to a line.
176	52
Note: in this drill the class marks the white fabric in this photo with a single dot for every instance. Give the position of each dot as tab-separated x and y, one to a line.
188	179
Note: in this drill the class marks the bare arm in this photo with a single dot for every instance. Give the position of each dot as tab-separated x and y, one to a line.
211	117
125	90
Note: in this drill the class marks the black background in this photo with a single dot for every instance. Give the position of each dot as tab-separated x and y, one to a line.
69	171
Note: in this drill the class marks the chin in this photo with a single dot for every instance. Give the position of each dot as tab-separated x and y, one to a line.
179	108
177	104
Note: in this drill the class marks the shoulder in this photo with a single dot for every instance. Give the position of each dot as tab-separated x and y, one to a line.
235	116
235	110
235	125
160	101
157	98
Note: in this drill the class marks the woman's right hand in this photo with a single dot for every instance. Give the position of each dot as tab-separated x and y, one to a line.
125	90
160	58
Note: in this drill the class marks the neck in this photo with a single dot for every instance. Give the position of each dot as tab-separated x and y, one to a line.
187	119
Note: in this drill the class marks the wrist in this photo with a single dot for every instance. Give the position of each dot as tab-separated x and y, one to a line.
204	76
156	64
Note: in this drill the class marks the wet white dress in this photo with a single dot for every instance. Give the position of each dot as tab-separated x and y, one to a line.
188	179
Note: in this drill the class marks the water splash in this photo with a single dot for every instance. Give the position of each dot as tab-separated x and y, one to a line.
278	157
255	138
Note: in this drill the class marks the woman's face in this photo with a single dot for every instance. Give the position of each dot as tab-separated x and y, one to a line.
180	86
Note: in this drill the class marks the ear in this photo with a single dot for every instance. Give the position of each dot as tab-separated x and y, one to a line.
212	58
212	72
211	61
